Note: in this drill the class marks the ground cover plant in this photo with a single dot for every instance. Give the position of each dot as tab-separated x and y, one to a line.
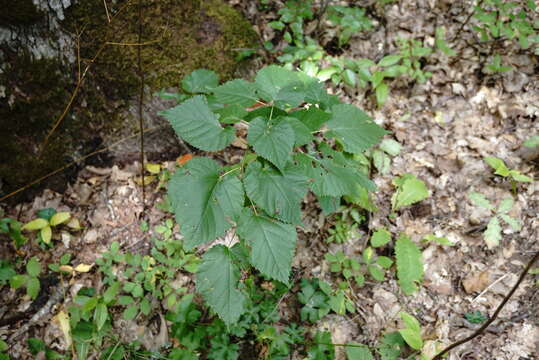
295	226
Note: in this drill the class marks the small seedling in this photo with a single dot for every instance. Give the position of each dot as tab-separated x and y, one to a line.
30	280
502	170
410	190
493	233
47	220
475	317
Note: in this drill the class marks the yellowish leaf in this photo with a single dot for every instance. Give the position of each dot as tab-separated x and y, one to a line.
62	319
66	268
46	234
153	168
74	223
36	224
83	268
60	218
147	180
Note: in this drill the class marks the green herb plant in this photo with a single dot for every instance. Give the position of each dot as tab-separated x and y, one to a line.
410	190
493	232
475	317
348	21
260	196
502	170
47	220
30	280
13	229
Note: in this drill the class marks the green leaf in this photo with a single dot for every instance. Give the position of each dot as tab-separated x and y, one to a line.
279	194
498	165
410	321
313	118
33	267
376	273
302	134
194	122
409	264
236	91
145	306
112	292
329	204
101	315
335	180
382	93
389	60
17	281
514	223
231	114
480	200
354	128
32	287
272	245
200	81
36	224
217	281
493	233
505	205
517	176
272	140
532	142
412	338
384	262
410	192
130	312
380	237
391	147
203	201
440	240
358	352
279	85
60	218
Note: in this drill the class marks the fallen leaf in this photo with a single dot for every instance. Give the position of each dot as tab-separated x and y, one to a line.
83	268
477	282
63	320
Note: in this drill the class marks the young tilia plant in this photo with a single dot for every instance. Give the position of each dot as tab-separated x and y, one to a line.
260	197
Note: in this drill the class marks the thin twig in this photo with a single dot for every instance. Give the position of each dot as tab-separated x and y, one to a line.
488	288
140	103
495	315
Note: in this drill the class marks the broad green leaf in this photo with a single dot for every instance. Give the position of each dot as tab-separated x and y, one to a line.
112	292
279	85
514	223
498	165
145	306
329	204
410	192
480	200
332	179
46	234
313	118
382	93
412	338
36	224
384	262
493	233
130	312
409	264
236	91
349	77
101	315
381	161
272	245
389	60
354	128
33	267
231	114
60	218
279	194
203	201
380	237
517	176
200	81
391	147
18	280
32	287
410	321
194	122
272	140
505	205
302	134
217	281
358	352
376	273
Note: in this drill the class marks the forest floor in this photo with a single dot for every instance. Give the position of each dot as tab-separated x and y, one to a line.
446	127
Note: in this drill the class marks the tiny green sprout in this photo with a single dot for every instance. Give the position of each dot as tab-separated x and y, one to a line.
475	317
496	65
502	170
493	233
